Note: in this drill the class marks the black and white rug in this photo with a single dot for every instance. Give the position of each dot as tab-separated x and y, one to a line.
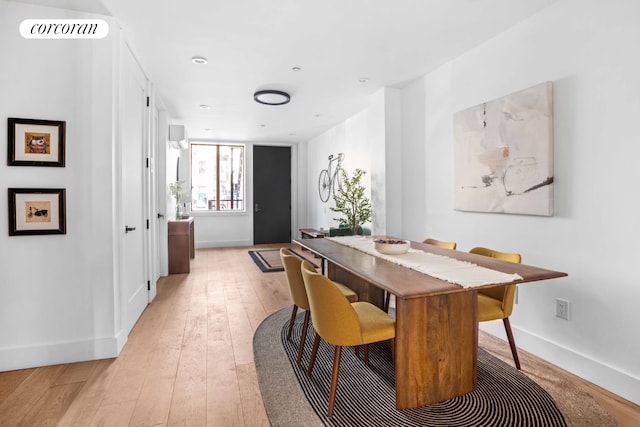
366	395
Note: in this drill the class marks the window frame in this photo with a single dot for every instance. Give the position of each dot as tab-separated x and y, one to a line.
243	166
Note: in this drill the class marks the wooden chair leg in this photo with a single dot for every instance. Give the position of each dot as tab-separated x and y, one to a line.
294	311
303	338
334	379
366	354
387	301
312	360
512	343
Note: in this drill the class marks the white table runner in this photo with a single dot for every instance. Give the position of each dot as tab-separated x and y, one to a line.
452	270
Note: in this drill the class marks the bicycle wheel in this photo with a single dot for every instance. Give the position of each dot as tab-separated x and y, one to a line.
324	185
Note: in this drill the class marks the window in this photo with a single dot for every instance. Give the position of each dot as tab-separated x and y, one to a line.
217	177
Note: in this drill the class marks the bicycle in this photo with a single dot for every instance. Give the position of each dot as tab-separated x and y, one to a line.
330	178
37	212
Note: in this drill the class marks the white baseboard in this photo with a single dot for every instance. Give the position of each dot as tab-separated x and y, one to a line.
120	340
58	353
612	379
223	244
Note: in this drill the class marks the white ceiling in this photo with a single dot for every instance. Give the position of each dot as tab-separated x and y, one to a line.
254	44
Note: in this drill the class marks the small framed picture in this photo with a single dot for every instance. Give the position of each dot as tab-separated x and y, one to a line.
34	211
35	142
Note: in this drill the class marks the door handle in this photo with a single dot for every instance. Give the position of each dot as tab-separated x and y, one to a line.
160	216
128	229
257	209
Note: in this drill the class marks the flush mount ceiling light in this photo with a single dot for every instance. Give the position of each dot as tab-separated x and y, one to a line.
200	60
272	97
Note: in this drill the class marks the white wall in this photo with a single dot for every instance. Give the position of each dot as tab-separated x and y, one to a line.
588	50
393	162
362	139
57	294
413	196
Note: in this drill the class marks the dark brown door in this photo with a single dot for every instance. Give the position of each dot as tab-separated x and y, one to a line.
271	194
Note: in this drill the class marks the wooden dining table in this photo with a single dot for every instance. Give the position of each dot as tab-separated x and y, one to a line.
436	344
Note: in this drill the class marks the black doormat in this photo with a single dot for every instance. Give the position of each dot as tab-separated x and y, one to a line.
268	260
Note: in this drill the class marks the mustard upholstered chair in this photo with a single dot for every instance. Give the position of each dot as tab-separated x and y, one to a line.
448	245
342	323
298	293
497	302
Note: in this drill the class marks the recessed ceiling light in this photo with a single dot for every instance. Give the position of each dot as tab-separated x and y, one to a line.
200	60
363	79
204	107
296	68
271	97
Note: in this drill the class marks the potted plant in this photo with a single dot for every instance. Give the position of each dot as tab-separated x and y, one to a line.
176	190
351	202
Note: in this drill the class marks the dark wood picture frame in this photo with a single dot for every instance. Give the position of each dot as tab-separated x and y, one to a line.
37	211
33	142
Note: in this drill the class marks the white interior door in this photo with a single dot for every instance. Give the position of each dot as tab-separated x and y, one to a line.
133	142
152	204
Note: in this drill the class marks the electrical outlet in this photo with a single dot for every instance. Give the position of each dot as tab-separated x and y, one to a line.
562	308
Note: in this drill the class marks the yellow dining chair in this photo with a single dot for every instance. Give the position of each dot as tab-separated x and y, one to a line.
298	293
497	302
448	245
341	323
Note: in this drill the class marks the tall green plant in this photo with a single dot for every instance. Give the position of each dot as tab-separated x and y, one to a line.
351	201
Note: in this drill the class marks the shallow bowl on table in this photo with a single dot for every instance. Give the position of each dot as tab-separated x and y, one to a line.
391	246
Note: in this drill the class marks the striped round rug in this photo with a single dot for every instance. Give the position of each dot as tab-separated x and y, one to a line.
366	394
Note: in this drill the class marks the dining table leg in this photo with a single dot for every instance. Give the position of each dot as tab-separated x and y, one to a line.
436	348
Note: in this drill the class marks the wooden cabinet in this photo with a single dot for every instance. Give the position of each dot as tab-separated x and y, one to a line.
181	245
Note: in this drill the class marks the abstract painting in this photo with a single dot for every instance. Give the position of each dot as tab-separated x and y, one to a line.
503	154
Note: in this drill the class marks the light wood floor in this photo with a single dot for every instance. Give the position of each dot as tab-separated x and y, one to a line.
188	361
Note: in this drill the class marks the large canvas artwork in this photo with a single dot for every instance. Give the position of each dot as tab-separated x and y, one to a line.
503	154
